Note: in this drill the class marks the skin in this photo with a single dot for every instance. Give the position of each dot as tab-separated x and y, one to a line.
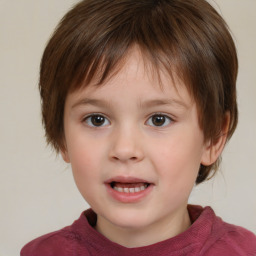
129	144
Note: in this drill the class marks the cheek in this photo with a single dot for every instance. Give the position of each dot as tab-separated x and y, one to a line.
82	148
85	159
178	161
86	173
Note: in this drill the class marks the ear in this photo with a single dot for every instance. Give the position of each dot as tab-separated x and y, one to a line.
214	148
64	154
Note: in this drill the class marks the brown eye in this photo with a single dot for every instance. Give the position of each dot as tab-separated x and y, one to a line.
159	120
96	121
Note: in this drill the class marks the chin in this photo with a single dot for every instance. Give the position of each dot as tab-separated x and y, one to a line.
129	219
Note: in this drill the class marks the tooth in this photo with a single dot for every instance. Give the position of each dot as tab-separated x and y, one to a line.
126	190
137	189
119	189
131	190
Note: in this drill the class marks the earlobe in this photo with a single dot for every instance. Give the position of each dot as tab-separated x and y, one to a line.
65	155
214	148
63	150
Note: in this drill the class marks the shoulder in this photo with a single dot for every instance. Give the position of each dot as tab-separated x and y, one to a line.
50	244
236	240
61	242
64	242
228	239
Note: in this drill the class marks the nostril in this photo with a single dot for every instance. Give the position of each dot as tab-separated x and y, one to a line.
126	154
134	158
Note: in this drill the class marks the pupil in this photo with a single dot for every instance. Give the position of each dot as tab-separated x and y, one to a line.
97	120
158	120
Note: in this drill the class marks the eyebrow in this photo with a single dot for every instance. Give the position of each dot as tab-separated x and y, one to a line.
142	104
94	102
161	102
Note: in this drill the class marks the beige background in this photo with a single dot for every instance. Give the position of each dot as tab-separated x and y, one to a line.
37	192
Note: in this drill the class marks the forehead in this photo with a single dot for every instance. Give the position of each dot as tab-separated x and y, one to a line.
137	76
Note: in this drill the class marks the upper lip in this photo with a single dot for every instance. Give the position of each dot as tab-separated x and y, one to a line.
128	179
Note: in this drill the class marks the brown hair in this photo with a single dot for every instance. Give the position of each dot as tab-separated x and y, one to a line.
189	36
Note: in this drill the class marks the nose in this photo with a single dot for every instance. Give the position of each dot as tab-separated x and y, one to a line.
126	146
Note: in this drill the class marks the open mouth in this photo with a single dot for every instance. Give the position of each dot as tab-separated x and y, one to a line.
129	187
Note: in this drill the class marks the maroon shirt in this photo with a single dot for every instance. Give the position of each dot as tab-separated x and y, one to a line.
208	235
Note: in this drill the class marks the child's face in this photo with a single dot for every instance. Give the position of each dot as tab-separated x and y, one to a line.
135	148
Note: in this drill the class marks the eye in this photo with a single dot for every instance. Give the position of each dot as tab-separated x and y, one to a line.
96	120
159	120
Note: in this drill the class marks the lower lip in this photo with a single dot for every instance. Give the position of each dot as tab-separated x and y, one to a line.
129	197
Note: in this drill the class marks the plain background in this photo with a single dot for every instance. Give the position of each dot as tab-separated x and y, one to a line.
37	192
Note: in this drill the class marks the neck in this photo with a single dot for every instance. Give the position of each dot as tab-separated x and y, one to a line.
164	229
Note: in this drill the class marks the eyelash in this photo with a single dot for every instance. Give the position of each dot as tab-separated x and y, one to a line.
166	117
88	120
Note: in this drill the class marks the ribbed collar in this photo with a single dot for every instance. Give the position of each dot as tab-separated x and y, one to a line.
189	242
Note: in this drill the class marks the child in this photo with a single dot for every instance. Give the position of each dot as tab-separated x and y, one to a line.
140	98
